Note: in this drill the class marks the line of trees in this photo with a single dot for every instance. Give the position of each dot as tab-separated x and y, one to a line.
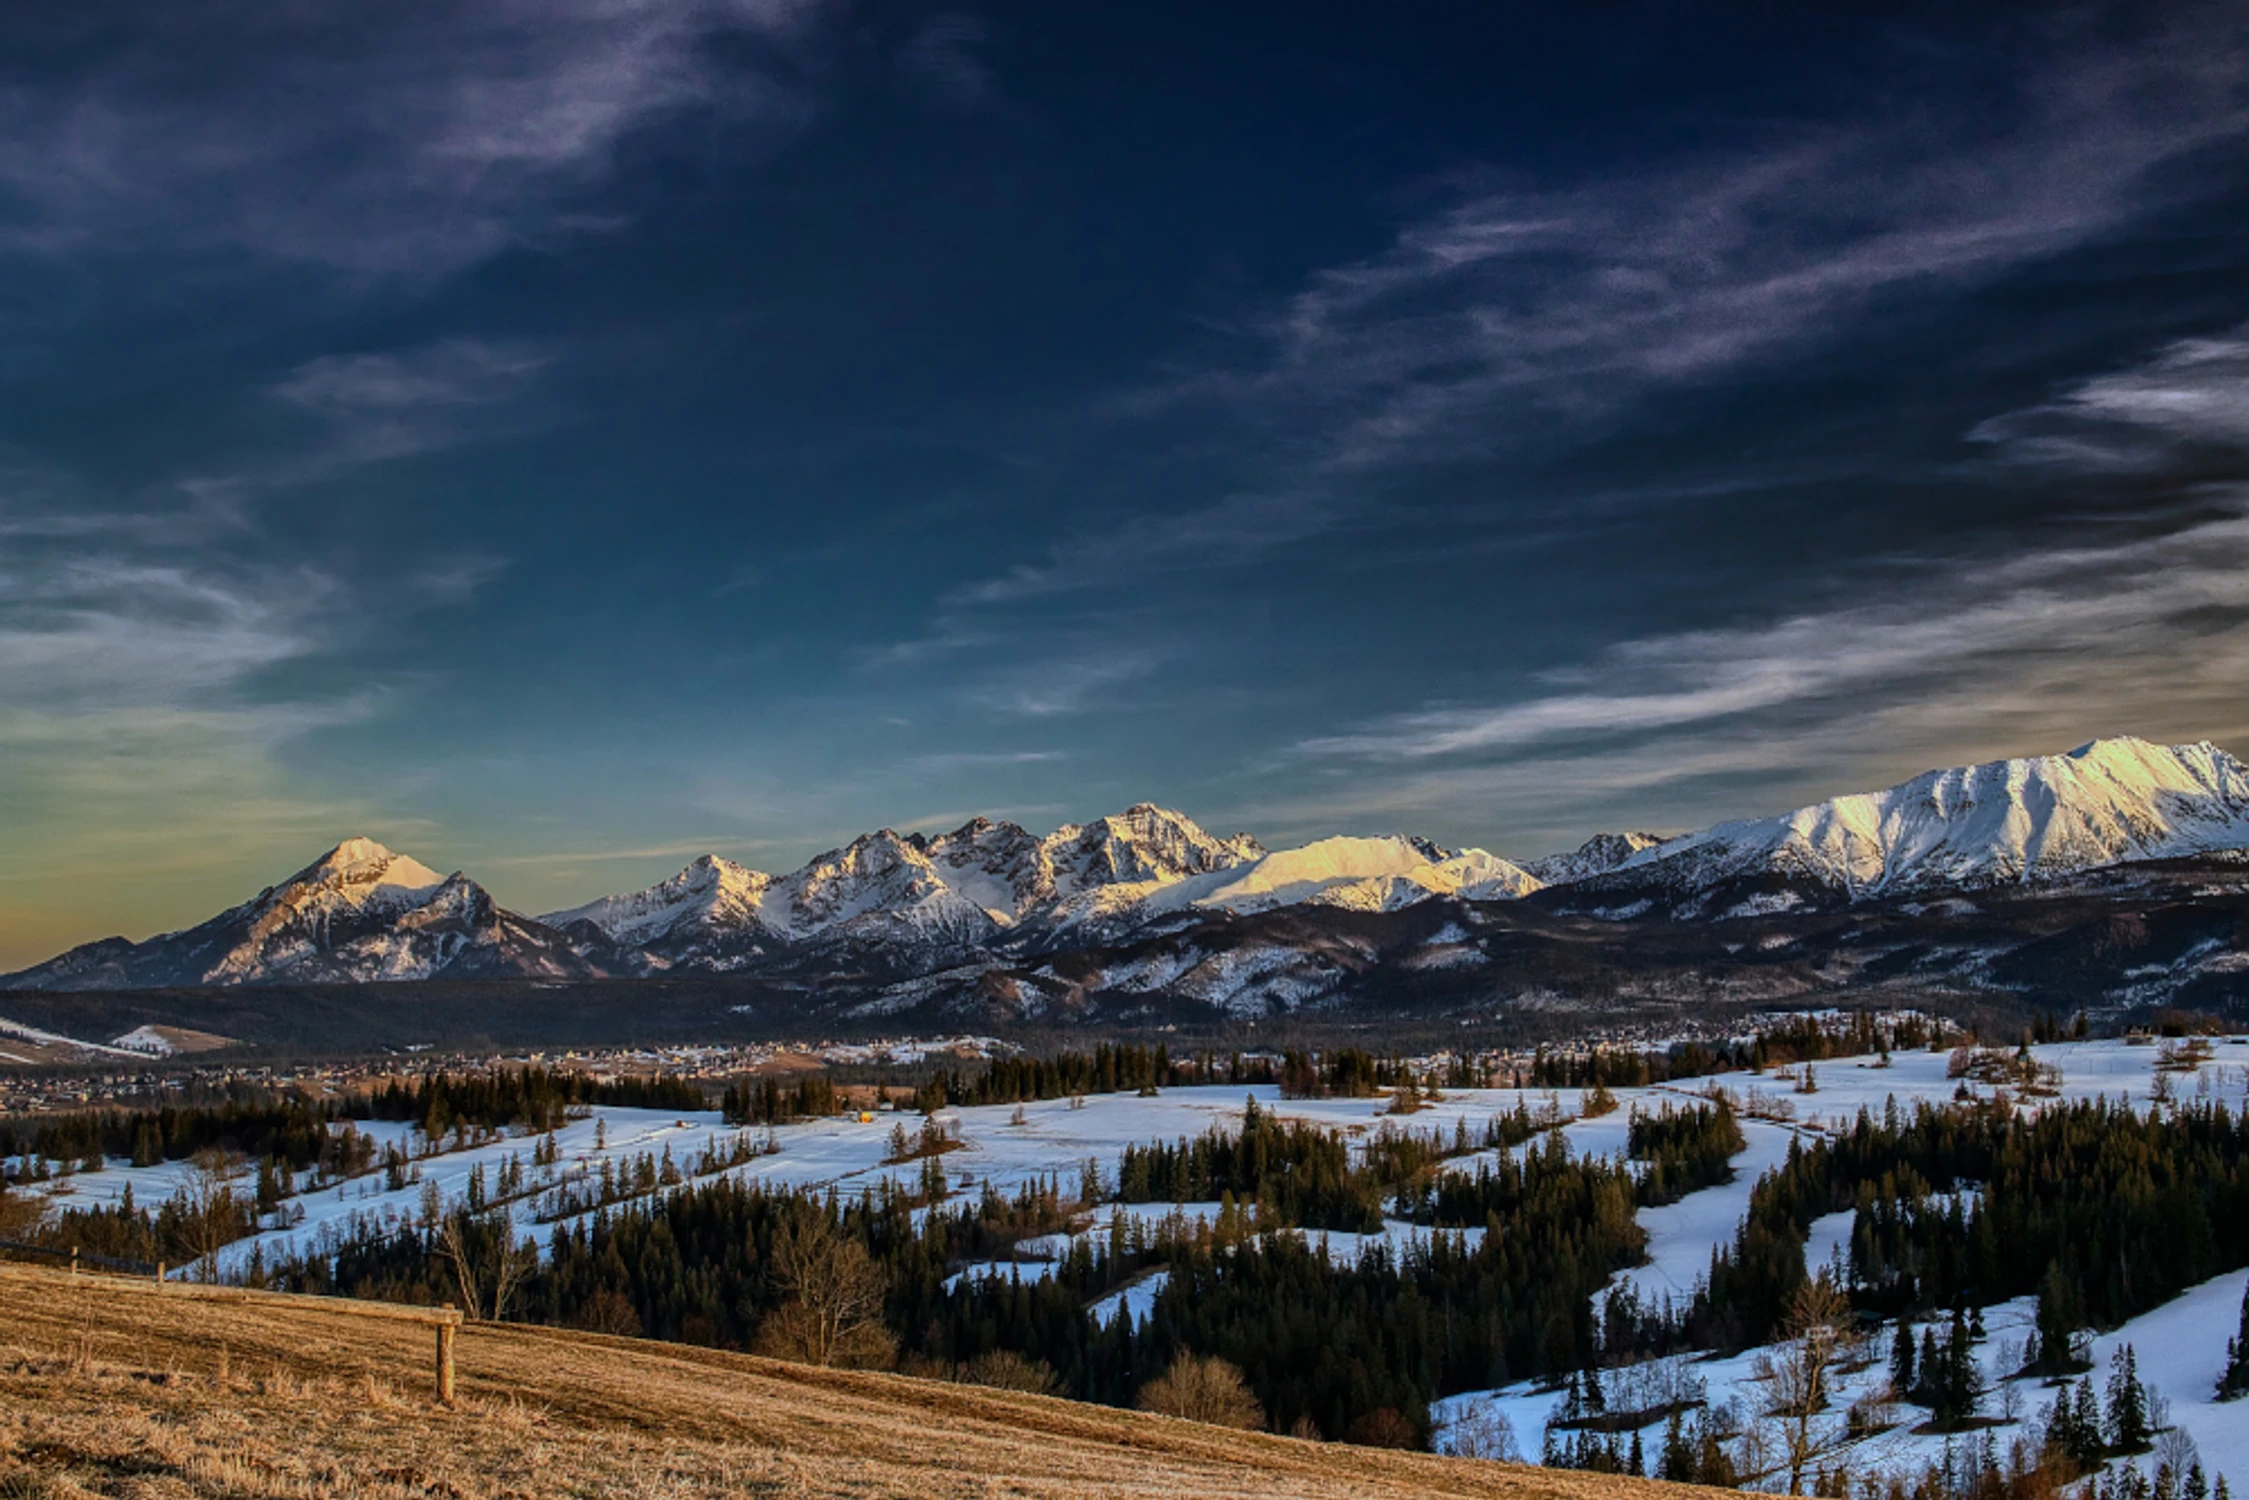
529	1098
1110	1068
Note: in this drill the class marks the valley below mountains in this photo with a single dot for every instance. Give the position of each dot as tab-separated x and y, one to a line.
2113	878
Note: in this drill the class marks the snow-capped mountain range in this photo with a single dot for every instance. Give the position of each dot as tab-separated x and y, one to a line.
2003	822
976	884
901	904
358	913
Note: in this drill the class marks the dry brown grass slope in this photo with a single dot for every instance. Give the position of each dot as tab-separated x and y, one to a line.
108	1393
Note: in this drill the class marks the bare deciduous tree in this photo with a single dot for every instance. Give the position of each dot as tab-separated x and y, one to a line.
208	1213
607	1311
1482	1430
488	1262
1817	1334
20	1214
1203	1388
1006	1370
2175	1449
831	1308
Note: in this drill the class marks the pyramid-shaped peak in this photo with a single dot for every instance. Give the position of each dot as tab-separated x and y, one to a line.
1149	814
1146	819
358	874
357	851
707	870
361	863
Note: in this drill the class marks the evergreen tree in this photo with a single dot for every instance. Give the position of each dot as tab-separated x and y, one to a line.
2073	1428
1677	1461
1715	1467
2234	1383
2127	1405
1957	1383
2086	1413
2060	1315
269	1187
1901	1361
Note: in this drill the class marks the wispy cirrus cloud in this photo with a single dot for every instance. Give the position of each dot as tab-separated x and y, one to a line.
143	706
2105	613
1544	306
1525	319
2139	624
941	59
1950	662
95	629
2193	395
412	139
948	762
1055	685
1221	536
397	403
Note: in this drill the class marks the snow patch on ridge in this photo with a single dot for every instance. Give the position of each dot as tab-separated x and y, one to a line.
1358	874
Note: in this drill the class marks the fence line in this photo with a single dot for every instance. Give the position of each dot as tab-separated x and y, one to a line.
446	1320
77	1257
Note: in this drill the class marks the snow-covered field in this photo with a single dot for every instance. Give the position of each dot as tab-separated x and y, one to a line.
2180	1347
1058	1137
29	1045
1682	1235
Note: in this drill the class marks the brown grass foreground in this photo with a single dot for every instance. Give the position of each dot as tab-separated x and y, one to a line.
160	1396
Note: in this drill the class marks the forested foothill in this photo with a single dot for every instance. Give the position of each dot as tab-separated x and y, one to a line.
1319	1259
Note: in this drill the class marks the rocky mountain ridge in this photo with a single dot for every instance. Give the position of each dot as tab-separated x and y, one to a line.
2028	821
1146	902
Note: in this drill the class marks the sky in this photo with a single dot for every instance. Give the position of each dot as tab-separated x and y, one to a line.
559	439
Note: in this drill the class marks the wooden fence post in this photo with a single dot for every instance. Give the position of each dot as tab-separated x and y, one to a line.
445	1359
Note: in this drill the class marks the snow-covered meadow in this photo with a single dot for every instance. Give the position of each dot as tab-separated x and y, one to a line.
2180	1346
